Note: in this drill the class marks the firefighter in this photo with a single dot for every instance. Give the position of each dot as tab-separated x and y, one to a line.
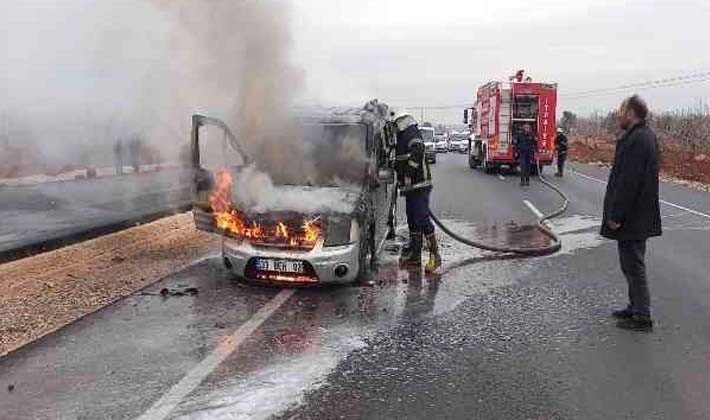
526	144
415	184
561	147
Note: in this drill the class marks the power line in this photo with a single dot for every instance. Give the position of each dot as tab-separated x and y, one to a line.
652	84
646	85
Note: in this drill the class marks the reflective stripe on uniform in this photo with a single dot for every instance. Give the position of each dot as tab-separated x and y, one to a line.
424	184
413	164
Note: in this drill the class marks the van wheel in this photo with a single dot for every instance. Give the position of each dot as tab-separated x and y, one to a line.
366	257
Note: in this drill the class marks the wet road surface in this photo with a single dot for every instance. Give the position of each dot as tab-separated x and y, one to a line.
31	216
488	337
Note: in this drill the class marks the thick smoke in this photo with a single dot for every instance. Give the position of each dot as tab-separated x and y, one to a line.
77	75
83	74
234	60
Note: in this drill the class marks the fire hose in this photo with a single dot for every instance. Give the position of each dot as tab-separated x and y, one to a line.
554	246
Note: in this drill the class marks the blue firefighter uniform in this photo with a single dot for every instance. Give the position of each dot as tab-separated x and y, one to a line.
526	145
415	184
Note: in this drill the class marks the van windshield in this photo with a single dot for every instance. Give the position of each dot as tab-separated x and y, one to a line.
338	153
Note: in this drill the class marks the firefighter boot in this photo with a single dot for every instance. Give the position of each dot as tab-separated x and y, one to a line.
406	249
412	256
434	257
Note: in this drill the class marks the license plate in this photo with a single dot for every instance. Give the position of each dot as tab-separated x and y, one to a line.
279	266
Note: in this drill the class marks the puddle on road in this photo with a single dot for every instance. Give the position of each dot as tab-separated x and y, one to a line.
346	317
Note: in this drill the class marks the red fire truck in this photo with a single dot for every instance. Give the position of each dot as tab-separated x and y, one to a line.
500	111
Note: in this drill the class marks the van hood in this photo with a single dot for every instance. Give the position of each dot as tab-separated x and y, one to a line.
301	199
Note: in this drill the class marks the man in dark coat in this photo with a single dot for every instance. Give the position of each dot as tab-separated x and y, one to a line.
526	144
631	208
561	147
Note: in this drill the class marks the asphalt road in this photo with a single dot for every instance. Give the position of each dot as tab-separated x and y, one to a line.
37	216
489	337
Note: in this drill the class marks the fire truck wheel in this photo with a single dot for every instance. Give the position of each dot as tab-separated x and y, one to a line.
488	168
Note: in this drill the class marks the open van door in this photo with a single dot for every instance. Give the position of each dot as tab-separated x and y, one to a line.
213	147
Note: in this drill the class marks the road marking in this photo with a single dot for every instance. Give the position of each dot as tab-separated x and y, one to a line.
533	209
668	203
537	213
587	177
501	177
162	408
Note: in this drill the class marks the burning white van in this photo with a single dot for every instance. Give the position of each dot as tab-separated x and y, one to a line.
325	228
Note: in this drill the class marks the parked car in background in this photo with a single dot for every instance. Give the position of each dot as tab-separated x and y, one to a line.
442	145
429	144
458	143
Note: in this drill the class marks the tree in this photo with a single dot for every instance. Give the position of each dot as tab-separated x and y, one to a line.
568	121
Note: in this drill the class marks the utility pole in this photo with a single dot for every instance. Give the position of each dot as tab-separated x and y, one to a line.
421	114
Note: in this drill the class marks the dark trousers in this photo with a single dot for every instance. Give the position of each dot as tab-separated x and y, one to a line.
418	219
525	163
561	163
631	257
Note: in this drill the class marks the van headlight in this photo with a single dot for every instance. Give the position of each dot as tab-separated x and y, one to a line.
341	230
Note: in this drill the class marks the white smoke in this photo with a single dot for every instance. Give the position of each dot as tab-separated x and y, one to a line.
254	191
82	74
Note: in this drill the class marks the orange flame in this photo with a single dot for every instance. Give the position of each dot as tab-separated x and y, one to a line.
234	222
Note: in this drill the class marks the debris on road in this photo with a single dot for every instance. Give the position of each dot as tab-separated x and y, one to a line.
188	291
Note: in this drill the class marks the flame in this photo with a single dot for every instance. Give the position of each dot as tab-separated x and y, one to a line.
311	231
281	230
283	233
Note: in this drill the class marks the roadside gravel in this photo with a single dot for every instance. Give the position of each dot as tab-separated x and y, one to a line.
42	293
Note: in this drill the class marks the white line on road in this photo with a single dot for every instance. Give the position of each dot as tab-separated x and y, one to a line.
537	213
533	209
668	203
162	408
587	177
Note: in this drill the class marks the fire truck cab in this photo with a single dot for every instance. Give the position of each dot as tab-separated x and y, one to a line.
500	112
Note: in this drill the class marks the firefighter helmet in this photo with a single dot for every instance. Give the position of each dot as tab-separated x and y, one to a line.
404	121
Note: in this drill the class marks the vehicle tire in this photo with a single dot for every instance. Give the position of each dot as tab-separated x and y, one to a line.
487	168
366	256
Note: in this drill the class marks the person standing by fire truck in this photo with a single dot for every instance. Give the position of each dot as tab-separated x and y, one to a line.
526	144
561	147
415	184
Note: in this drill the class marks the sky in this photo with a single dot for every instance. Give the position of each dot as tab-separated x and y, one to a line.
112	57
436	53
